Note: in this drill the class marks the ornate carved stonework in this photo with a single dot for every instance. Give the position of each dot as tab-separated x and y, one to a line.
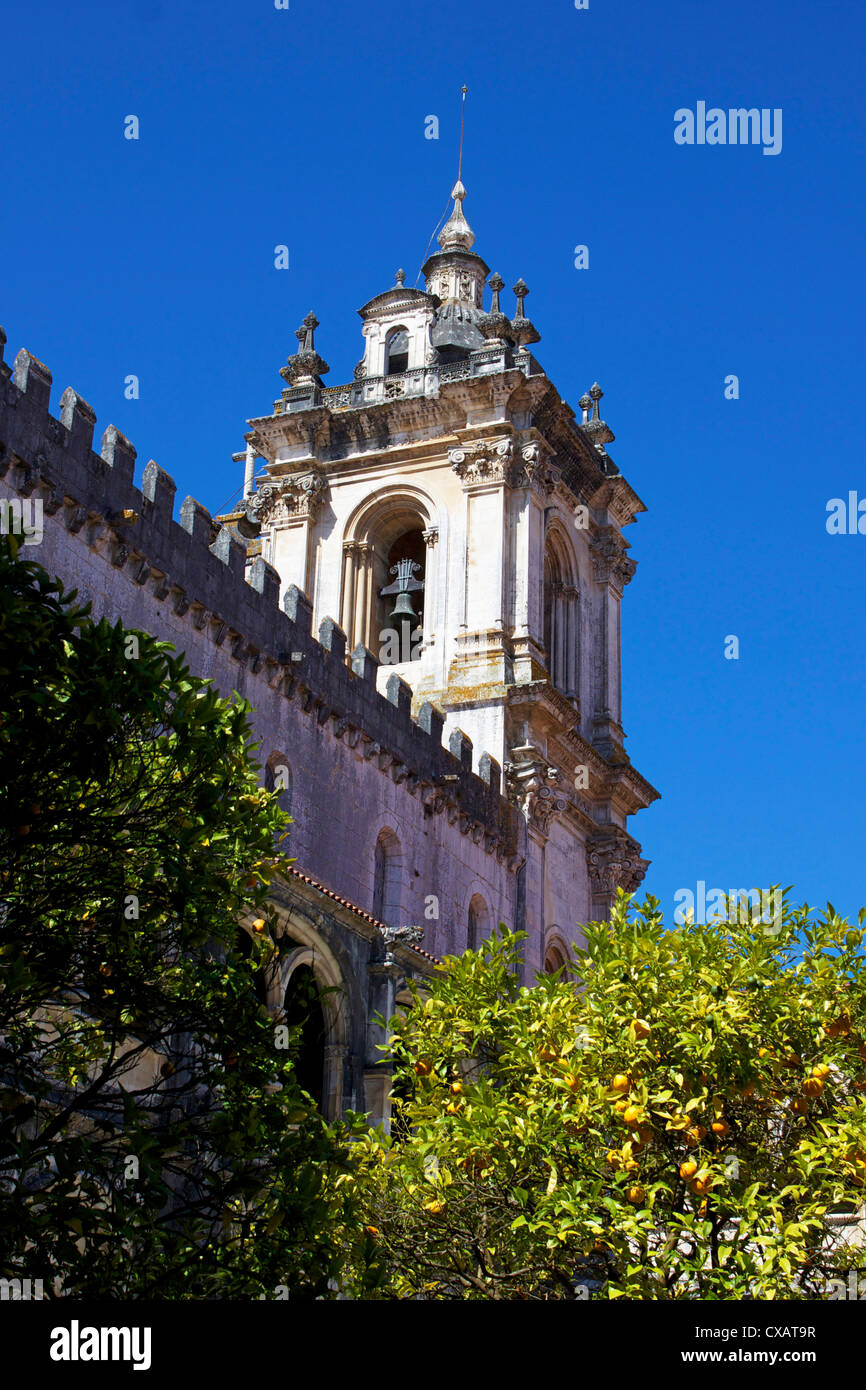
532	784
483	461
610	558
535	471
613	859
298	497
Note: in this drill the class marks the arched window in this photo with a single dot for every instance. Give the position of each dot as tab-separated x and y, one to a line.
554	959
387	879
303	1009
396	351
278	778
560	617
478	925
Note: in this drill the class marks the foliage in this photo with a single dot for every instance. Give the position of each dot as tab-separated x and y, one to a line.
153	1140
678	1125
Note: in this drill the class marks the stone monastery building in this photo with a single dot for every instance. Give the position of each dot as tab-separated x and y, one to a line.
420	596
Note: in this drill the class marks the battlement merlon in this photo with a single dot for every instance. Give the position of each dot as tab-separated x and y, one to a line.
200	566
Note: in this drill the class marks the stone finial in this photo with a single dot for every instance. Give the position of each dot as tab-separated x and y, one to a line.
496	326
311	323
400	279
305	365
592	421
522	328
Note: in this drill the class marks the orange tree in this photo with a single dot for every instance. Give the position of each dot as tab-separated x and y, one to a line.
679	1122
154	1140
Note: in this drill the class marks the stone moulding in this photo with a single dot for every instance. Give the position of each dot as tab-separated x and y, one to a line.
206	581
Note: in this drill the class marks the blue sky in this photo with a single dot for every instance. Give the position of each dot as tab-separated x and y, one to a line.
305	127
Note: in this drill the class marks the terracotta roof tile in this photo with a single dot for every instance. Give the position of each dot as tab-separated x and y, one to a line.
353	907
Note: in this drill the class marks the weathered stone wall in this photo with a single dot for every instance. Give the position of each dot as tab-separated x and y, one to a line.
360	764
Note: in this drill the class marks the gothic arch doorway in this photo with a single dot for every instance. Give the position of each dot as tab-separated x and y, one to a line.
302	1009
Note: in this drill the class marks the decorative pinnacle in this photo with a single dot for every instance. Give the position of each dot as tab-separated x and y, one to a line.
400	277
585	404
306	364
523	329
496	284
457	235
311	323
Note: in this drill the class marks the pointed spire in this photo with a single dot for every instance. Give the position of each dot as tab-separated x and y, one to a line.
457	235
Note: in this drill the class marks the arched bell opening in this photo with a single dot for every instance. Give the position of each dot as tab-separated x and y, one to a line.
400	601
386	592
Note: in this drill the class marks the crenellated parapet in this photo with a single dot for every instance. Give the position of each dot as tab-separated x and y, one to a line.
200	568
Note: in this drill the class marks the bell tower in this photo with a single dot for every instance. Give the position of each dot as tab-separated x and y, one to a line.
467	526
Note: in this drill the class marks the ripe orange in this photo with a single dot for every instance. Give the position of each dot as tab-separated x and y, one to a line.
573	1083
822	1071
632	1116
423	1067
721	1128
259	924
701	1186
619	1083
812	1087
456	1088
636	1195
688	1169
621	1106
434	1207
695	1135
